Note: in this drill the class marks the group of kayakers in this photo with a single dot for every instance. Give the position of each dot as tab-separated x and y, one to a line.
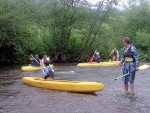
37	61
129	59
44	62
96	56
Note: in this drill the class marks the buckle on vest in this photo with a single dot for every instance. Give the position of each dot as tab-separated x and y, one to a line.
128	59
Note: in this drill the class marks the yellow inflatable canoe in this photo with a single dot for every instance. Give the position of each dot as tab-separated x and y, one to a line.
64	85
101	64
32	68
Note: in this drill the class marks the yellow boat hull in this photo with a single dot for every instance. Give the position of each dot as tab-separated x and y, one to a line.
101	64
64	85
32	68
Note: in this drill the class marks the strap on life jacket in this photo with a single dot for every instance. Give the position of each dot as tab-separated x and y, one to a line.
129	59
128	55
115	52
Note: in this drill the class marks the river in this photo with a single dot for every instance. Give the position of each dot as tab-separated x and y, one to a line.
16	97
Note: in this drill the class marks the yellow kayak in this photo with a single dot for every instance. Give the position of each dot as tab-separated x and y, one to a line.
101	64
64	85
32	68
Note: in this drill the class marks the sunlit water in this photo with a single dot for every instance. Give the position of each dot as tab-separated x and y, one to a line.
16	97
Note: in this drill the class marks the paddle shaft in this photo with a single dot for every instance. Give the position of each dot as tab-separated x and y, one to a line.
121	76
140	68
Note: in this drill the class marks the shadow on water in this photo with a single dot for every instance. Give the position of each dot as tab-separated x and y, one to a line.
91	94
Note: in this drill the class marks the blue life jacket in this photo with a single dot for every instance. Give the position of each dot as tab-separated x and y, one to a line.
50	73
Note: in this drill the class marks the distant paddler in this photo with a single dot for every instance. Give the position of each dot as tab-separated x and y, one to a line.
130	61
96	57
115	54
34	61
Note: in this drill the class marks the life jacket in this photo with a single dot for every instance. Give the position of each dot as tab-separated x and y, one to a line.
115	52
96	58
128	54
51	73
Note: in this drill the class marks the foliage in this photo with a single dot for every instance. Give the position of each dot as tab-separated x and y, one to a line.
70	30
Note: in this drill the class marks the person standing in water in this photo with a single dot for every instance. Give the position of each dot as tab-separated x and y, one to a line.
114	54
130	61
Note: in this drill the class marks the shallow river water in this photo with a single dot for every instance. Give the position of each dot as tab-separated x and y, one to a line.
16	97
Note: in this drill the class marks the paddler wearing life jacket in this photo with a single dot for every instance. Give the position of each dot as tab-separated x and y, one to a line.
36	61
45	57
115	54
130	61
48	72
96	57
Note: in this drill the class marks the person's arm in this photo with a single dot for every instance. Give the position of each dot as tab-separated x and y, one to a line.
111	53
122	59
31	58
135	56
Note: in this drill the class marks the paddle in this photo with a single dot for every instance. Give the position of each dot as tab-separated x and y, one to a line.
91	59
40	64
145	66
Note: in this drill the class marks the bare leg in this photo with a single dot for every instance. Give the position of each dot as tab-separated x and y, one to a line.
126	87
117	59
113	58
132	88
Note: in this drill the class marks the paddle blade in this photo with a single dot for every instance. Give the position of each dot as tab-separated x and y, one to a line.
91	59
145	66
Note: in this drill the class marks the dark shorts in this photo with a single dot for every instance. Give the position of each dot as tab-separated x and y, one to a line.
129	78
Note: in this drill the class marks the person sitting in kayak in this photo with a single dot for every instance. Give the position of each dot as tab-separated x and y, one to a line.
36	61
114	54
96	57
47	70
45	57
